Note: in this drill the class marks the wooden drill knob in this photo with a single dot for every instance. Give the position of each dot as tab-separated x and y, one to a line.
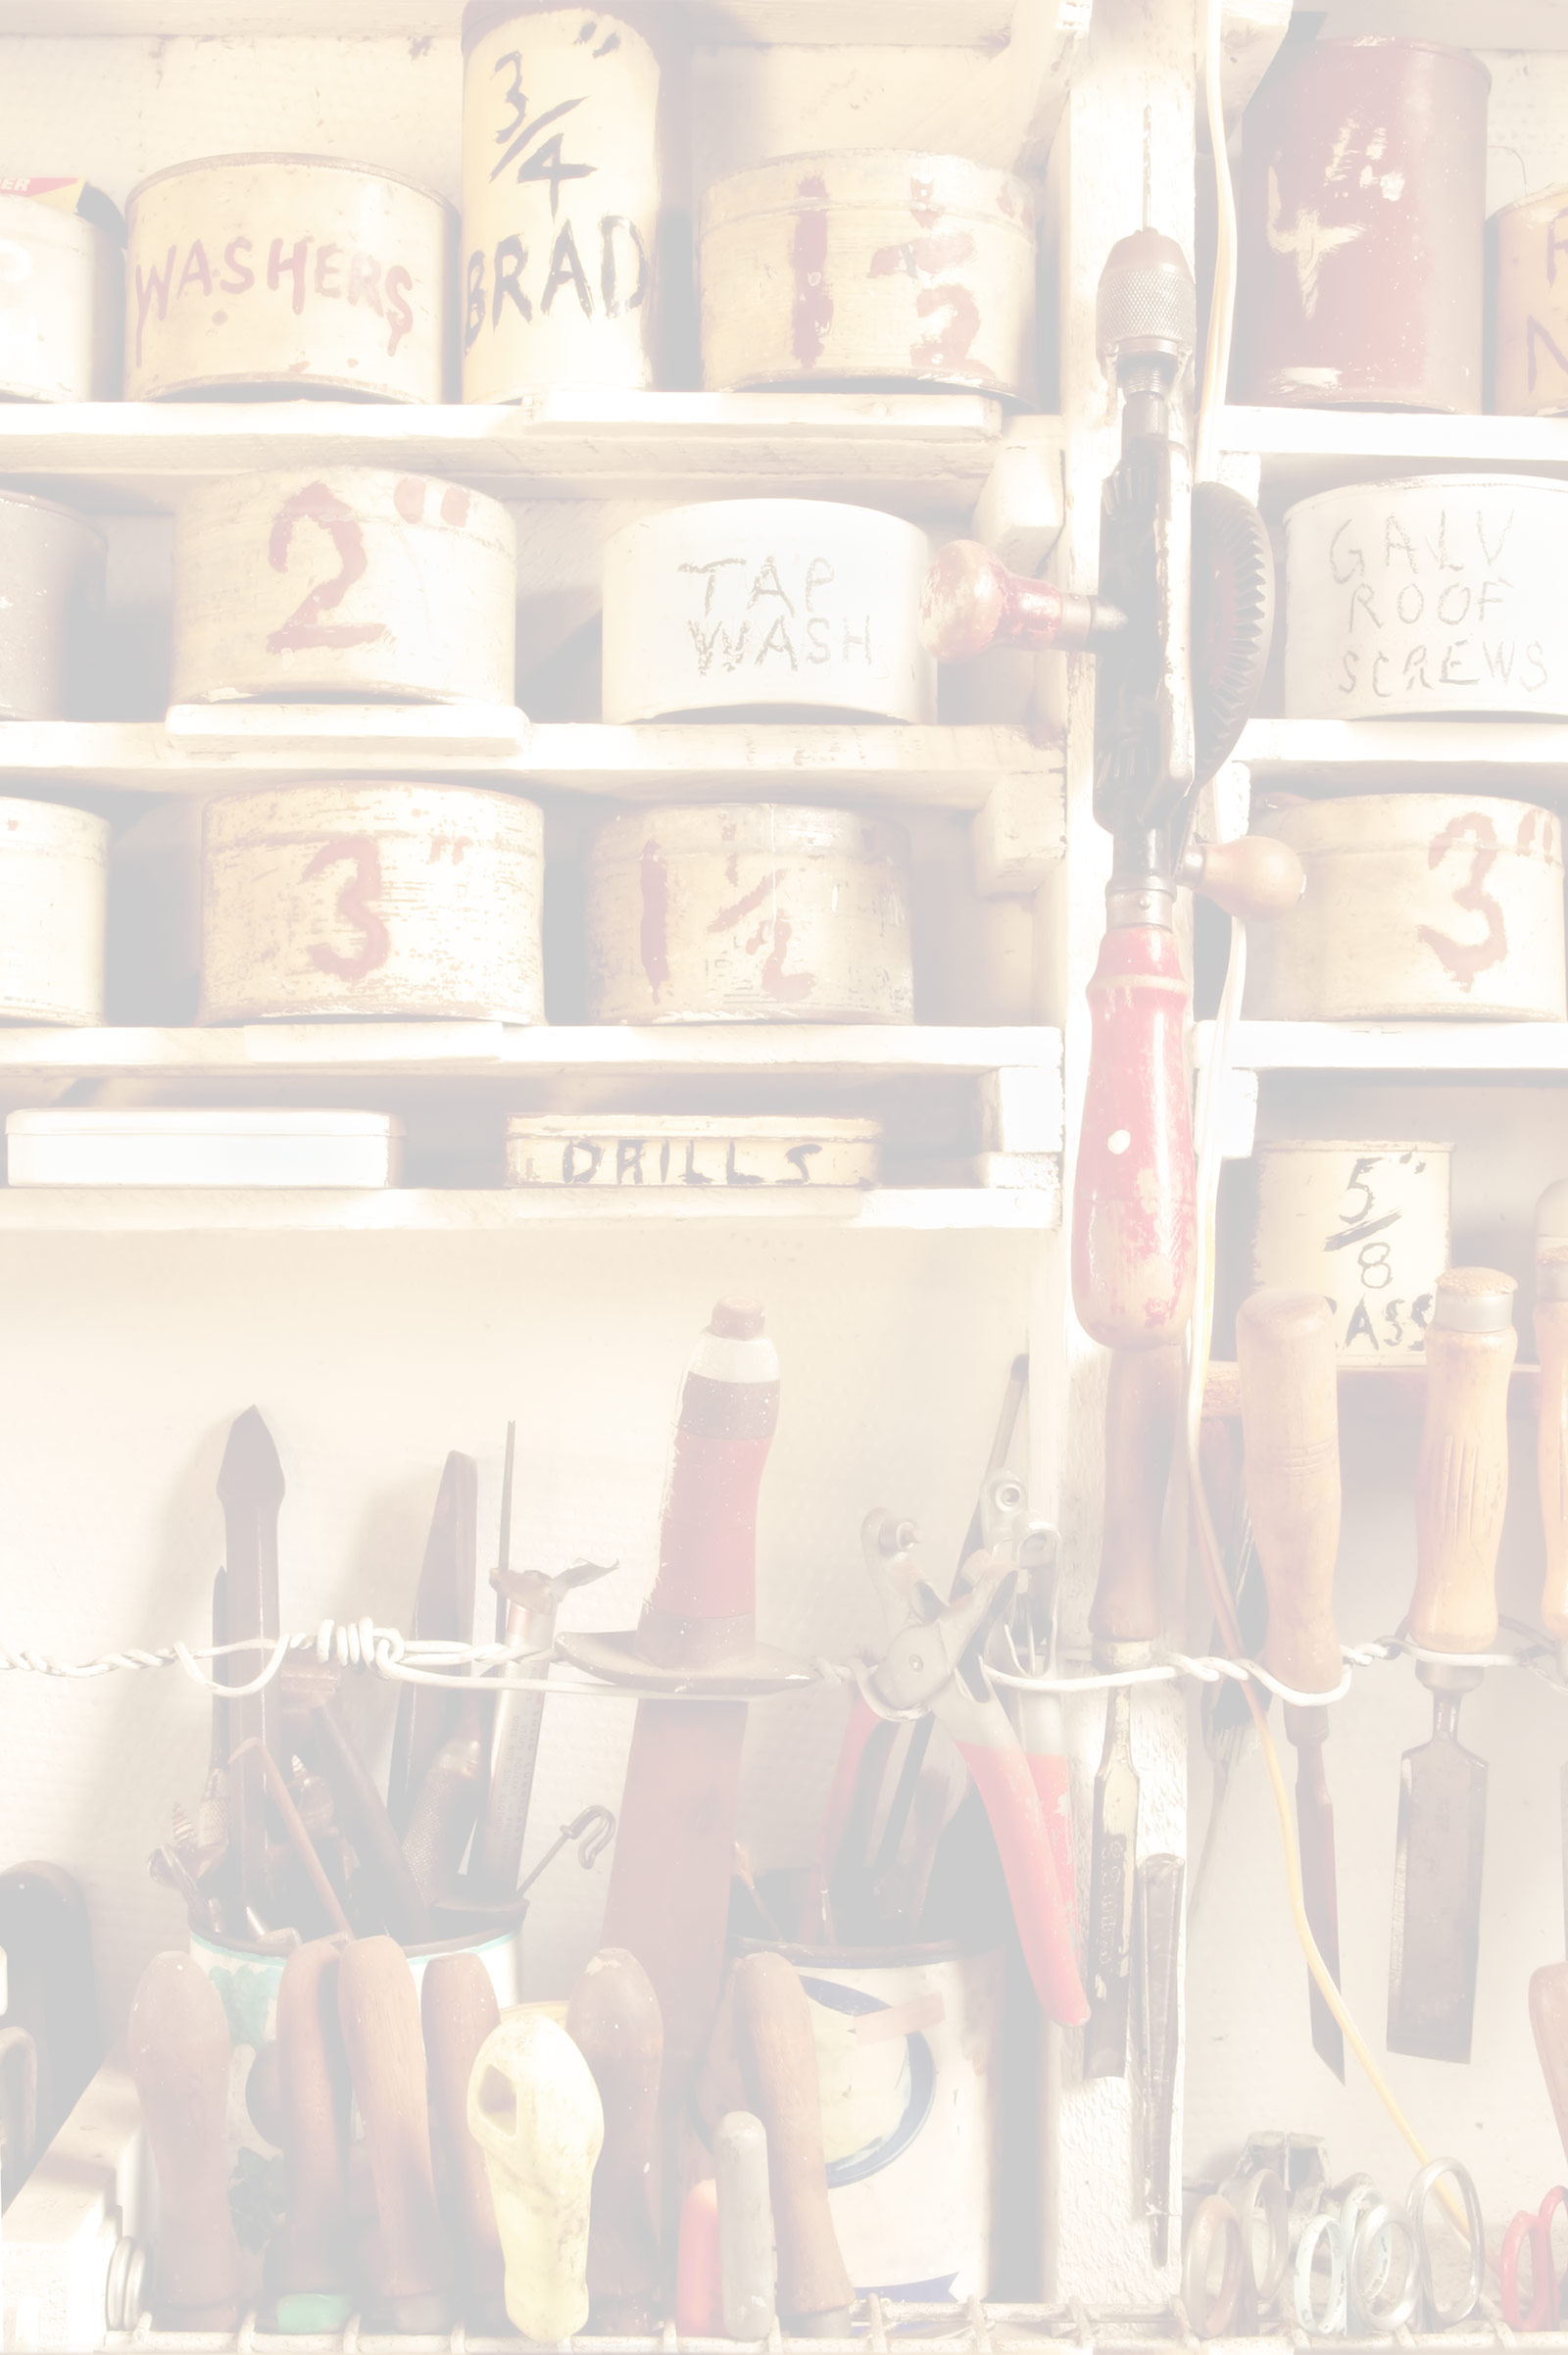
1254	877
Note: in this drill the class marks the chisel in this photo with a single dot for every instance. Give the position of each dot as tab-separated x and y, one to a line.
615	2022
1548	1986
1461	1493
1291	1426
1124	1621
177	2038
250	1489
443	1611
1160	1881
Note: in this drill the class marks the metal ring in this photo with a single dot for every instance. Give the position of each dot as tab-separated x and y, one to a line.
1443	2317
1350	2202
1323	2229
1259	2198
1378	2228
1554	2204
1215	2222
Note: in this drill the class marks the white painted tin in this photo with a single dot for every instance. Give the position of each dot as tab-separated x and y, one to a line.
1416	905
1366	1225
560	202
62	297
211	1144
764	605
415	901
1529	325
54	906
286	274
871	264
247	1979
355	581
610	1150
750	913
1434	595
51	592
911	2067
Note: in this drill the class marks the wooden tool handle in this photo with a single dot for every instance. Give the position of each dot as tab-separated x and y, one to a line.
446	1809
363	1815
1254	878
1548	2018
778	2057
179	2055
1462	1477
314	2091
1291	1426
409	2264
1135	1209
613	2020
1142	1403
1552	1441
458	2008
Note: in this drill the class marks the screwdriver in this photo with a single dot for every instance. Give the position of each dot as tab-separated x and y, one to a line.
1291	1425
1124	1621
1461	1495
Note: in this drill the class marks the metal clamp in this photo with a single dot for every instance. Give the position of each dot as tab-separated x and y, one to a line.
1443	2317
1215	2227
1321	2232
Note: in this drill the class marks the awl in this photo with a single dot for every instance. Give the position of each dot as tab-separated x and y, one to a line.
1291	1424
1124	1621
1461	1494
250	1489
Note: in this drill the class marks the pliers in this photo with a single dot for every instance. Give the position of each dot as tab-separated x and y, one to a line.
932	1665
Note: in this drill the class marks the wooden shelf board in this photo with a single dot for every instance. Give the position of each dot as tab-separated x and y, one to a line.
1304	450
875	24
1524	758
466	1049
292	1210
927	452
212	748
1392	1392
1468	1050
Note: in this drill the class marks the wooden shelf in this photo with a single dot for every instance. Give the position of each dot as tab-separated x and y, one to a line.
80	1210
1523	758
1391	1392
214	748
464	1051
920	453
1458	1050
935	23
1304	450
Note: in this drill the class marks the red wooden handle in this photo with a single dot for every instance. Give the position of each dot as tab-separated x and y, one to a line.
1135	1211
1052	1780
1006	1788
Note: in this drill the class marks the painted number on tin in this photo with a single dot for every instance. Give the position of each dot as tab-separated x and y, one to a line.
305	627
355	906
1366	1236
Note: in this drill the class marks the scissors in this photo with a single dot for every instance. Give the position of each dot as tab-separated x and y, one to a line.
1546	2309
932	1666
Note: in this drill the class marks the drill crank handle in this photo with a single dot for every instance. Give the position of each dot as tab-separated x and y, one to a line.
970	602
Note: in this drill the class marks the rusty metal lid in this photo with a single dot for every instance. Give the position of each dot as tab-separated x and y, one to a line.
346	164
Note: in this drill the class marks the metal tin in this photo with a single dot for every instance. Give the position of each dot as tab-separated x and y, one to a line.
1530	329
1366	1225
873	265
213	1144
62	296
1416	905
54	910
349	582
51	589
1439	594
748	914
609	1150
758	605
911	2065
419	901
560	202
286	274
1362	213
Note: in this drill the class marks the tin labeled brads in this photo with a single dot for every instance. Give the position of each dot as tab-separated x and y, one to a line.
355	581
419	901
286	275
869	265
560	196
1364	1224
